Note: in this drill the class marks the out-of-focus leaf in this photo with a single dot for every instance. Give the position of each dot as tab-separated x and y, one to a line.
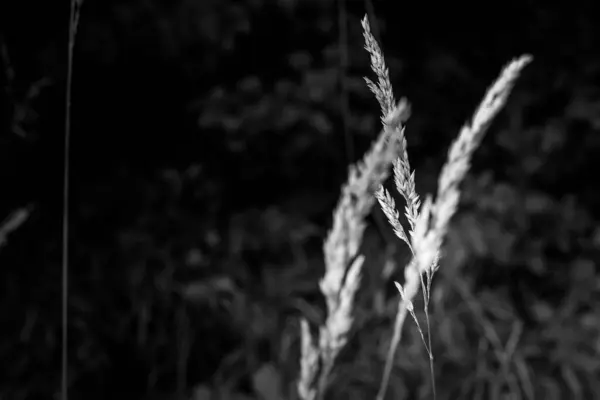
266	382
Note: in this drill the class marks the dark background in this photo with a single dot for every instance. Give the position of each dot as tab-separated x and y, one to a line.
209	145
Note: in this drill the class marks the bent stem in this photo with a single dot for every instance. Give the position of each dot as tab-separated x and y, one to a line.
397	335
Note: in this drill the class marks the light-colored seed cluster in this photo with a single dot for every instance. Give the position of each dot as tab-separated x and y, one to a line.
428	222
343	263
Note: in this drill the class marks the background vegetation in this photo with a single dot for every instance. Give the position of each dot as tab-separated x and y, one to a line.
209	146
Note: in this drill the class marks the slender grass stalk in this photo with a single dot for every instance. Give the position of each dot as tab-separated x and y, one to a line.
73	22
344	104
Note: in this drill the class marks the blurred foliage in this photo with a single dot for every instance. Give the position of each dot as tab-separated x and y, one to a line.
207	157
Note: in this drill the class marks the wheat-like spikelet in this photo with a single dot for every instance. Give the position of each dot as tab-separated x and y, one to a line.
343	263
392	119
458	163
469	138
383	89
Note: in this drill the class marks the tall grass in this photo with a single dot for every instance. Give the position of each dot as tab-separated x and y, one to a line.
428	223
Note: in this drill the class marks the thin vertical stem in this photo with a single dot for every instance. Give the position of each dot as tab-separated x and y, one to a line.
397	335
73	20
343	48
